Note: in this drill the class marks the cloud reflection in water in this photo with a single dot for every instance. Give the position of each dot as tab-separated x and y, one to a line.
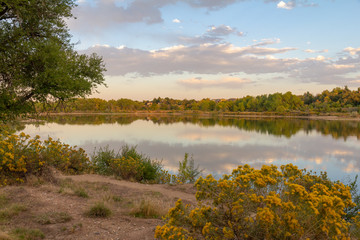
218	148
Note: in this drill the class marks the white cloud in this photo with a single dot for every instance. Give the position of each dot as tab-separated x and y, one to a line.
201	59
341	66
107	13
215	34
316	51
289	5
223	30
352	51
226	82
175	20
226	59
265	41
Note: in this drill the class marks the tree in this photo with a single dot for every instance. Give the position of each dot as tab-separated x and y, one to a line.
38	62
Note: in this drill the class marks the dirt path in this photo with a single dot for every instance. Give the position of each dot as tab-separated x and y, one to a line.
184	192
42	205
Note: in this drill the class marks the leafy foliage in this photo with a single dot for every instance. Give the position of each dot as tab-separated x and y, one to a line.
338	100
101	160
37	61
21	155
187	171
128	164
263	204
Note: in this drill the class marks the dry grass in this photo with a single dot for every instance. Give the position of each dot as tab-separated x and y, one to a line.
4	236
150	208
7	212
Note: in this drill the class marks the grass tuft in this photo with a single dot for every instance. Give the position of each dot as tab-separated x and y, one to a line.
28	234
8	212
53	217
149	208
99	210
80	192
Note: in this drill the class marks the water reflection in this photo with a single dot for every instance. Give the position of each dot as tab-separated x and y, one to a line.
278	127
217	144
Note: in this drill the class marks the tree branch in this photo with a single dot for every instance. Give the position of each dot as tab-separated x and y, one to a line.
2	13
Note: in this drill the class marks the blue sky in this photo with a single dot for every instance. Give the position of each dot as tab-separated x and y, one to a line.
220	48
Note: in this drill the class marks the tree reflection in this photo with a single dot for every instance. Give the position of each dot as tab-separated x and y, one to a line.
282	127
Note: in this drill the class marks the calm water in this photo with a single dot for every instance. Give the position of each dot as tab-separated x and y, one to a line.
217	144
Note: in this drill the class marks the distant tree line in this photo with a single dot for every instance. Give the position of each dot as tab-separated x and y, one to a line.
337	100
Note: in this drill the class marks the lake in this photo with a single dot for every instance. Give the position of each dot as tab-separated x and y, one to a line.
217	144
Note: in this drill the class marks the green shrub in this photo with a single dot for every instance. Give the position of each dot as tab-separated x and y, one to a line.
187	171
128	164
101	160
28	234
53	217
80	192
99	210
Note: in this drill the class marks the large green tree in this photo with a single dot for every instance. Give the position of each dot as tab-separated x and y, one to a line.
38	62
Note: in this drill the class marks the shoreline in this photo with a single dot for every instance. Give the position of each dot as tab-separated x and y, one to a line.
254	115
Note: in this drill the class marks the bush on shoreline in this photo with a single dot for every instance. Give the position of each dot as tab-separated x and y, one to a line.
21	156
264	204
127	164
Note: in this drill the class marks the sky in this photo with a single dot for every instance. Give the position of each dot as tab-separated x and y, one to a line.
195	49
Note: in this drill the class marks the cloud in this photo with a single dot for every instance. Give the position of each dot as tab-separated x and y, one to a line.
289	5
228	59
223	30
323	70
215	34
226	82
293	3
265	42
352	51
316	51
176	20
203	39
201	59
106	13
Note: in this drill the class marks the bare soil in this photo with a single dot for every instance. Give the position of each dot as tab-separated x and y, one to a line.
63	195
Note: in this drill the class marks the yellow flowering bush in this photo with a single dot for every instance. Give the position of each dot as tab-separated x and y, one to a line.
21	155
270	203
68	159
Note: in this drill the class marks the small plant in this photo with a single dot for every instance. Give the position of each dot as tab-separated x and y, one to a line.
99	210
101	160
28	234
53	217
187	171
7	212
75	227
117	199
149	208
3	201
80	192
